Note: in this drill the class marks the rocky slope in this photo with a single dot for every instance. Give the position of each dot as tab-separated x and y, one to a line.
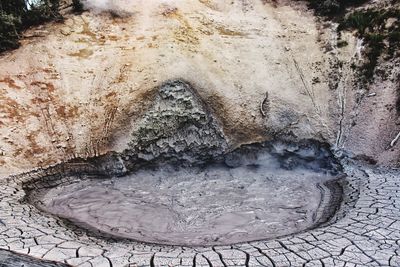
265	69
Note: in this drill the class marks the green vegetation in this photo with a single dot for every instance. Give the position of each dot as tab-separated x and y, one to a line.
378	27
380	30
9	28
18	15
380	37
77	5
333	7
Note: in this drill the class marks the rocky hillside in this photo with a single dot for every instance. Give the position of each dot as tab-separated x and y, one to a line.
265	69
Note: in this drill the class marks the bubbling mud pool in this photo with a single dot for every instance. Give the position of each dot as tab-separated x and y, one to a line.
243	198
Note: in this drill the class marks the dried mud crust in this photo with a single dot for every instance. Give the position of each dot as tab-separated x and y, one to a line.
367	234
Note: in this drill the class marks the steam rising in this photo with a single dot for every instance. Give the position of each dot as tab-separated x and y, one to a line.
118	7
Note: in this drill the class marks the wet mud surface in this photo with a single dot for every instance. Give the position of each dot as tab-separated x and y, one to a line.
215	206
256	192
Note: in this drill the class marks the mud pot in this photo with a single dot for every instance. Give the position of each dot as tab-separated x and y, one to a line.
256	192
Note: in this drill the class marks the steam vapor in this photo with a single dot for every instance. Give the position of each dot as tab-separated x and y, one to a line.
101	5
116	7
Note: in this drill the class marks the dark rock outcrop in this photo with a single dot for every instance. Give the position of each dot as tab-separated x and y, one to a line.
12	259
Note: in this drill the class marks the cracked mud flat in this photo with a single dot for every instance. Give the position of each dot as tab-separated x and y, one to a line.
214	205
368	235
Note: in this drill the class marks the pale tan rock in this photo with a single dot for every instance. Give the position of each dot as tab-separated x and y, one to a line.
85	84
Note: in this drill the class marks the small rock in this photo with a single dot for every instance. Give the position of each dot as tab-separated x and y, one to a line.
390	22
65	31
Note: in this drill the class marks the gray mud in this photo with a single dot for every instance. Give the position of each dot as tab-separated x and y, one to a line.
252	194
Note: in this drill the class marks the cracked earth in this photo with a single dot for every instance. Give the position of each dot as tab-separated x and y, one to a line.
364	232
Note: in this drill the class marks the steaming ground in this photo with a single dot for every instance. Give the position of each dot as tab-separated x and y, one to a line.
217	205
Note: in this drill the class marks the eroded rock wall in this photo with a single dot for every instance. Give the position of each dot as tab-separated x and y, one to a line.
178	125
